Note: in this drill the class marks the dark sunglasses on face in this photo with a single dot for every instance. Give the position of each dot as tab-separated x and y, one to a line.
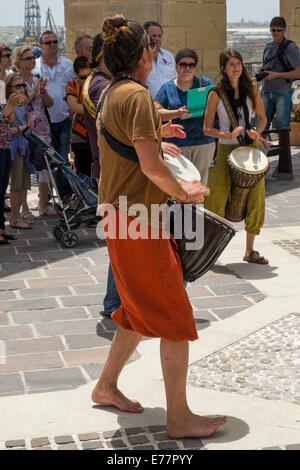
8	55
192	65
29	58
48	43
20	85
152	45
276	30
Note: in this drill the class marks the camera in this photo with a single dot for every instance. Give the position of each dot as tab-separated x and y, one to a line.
261	75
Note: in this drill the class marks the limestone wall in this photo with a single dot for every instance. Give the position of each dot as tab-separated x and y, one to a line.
290	10
197	24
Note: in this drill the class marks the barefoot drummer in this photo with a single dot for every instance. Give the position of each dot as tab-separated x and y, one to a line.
148	271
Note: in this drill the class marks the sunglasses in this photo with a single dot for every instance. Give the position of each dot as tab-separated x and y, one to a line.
276	30
8	55
29	58
152	45
83	77
20	85
48	43
192	65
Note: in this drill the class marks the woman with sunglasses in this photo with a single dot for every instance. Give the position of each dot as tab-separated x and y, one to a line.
244	99
79	139
20	168
171	102
36	104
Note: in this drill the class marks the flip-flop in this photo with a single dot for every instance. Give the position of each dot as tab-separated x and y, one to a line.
259	260
20	224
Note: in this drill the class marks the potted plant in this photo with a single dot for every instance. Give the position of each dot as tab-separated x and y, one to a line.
295	126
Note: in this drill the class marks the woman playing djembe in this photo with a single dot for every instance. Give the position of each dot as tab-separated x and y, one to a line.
244	99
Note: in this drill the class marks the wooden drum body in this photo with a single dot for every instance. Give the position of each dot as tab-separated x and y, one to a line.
247	166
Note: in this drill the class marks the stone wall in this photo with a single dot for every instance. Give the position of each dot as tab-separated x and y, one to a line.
197	24
290	10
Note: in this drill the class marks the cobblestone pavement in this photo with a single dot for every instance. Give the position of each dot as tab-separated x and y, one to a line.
271	355
141	438
50	298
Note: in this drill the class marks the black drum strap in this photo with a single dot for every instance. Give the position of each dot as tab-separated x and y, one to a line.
231	115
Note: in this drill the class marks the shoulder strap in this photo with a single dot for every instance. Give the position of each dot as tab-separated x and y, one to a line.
230	114
89	105
121	149
281	51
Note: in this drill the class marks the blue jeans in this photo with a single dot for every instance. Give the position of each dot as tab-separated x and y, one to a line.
60	132
279	104
112	300
5	163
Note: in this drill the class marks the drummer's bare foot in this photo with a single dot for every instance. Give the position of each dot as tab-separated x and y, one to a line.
194	426
116	398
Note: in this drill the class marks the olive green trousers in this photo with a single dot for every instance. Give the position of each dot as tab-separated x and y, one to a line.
219	183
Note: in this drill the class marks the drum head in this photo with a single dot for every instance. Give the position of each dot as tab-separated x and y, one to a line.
248	160
182	168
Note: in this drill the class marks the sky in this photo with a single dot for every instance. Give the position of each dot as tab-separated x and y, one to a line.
257	10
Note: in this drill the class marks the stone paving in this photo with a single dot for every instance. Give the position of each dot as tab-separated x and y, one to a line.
138	438
265	364
50	299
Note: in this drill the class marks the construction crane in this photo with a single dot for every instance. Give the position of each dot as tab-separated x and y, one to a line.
50	24
32	22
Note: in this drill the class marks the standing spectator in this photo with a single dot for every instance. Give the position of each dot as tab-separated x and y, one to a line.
5	62
171	101
20	167
163	63
93	87
281	60
6	117
83	46
38	100
58	72
79	138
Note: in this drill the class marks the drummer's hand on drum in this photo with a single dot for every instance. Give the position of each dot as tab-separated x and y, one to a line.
253	134
236	132
195	191
170	149
183	113
263	144
173	130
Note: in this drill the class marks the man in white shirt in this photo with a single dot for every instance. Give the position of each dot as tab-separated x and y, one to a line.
163	64
58	72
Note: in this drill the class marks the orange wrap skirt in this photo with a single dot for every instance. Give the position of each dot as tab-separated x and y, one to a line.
148	276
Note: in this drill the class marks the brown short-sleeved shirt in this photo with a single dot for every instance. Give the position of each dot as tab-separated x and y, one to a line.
129	114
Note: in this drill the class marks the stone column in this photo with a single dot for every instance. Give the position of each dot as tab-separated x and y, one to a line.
290	10
196	24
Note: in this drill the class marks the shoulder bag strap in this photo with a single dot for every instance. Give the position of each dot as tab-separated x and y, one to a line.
231	115
121	149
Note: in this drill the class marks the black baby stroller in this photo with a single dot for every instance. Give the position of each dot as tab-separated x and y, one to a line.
83	204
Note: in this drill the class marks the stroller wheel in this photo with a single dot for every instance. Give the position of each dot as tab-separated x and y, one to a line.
69	239
58	232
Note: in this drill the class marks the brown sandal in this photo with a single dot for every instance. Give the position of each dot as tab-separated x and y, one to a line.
252	259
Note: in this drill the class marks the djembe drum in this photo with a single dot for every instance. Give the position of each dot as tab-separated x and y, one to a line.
217	231
247	166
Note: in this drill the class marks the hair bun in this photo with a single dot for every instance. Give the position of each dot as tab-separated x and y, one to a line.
113	25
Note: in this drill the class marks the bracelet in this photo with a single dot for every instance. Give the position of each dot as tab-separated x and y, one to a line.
18	130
